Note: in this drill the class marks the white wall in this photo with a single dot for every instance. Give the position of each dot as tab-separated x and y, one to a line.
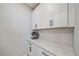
15	28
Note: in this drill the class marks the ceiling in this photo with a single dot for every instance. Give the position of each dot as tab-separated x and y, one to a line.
32	5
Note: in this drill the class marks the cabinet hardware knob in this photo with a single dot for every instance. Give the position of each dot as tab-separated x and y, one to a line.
30	49
35	25
51	22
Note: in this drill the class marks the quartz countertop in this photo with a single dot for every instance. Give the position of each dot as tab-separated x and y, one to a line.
55	48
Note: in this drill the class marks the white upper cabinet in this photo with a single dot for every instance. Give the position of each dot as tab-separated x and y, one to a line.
53	15
71	14
36	18
60	15
46	14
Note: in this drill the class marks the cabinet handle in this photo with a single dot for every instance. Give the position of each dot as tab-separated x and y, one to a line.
51	22
35	25
30	49
44	54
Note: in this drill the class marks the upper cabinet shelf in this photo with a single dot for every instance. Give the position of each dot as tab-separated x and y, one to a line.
53	15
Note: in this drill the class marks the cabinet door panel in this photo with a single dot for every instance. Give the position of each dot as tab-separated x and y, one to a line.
46	14
39	51
33	50
33	19
71	14
36	17
42	52
60	15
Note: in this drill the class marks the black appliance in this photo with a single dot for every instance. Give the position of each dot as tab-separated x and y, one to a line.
35	35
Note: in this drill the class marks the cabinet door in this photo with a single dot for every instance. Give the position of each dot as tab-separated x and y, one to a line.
60	15
36	18
46	14
39	51
32	49
71	14
42	52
